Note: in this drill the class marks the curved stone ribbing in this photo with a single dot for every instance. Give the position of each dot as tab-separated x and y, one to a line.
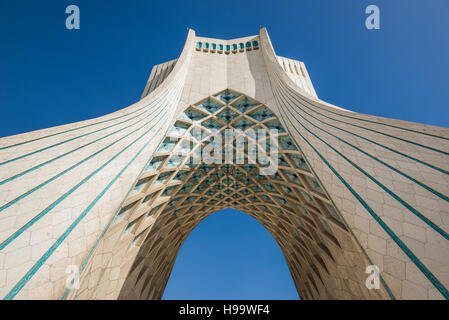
177	190
115	197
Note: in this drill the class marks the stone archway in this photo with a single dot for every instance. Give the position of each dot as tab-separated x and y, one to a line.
176	191
77	197
230	255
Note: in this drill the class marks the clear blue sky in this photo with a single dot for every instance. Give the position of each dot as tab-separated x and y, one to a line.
51	76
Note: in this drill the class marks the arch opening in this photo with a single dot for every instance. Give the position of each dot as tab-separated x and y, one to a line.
230	255
190	177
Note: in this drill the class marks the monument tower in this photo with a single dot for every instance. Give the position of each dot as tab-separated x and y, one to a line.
358	204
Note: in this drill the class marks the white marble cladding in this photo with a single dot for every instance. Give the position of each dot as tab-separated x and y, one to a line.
297	71
61	187
158	74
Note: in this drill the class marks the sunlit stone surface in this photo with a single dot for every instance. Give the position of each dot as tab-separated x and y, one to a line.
115	197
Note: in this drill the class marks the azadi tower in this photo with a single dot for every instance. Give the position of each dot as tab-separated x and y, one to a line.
99	209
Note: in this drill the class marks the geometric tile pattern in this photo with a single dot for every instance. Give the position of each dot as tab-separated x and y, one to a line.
177	190
113	198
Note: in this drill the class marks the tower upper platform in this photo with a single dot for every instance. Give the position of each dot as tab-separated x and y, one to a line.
352	190
218	59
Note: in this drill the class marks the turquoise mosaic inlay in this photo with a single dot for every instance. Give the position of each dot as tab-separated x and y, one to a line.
243	124
245	105
209	106
262	114
227	96
227	115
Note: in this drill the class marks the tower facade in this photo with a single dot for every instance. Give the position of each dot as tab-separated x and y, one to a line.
99	209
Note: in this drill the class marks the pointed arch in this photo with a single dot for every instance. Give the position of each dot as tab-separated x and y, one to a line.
179	188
